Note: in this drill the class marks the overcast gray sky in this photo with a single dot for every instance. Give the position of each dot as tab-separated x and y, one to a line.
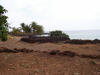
55	14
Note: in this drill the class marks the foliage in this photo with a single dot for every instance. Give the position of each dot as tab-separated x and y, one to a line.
36	29
3	33
32	28
3	24
39	29
16	30
26	28
58	33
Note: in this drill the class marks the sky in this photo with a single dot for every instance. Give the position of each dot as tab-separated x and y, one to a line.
54	14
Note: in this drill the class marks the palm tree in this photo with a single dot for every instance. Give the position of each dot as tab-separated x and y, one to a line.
25	28
36	29
16	30
32	28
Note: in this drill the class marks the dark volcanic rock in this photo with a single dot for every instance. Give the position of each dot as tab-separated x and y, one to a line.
54	52
68	53
3	49
90	56
23	50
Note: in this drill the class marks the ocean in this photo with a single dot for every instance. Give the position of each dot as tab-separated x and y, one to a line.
84	34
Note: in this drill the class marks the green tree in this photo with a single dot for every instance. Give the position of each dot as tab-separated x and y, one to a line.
58	33
16	30
3	24
32	28
26	28
36	29
39	29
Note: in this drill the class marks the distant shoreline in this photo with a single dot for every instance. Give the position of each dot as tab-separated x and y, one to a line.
84	34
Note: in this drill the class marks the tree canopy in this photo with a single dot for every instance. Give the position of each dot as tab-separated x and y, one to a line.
3	24
26	28
32	28
36	29
16	30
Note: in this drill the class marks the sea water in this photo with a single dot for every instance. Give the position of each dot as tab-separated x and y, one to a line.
84	34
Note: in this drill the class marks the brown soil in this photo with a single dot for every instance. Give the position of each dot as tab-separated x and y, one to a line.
42	60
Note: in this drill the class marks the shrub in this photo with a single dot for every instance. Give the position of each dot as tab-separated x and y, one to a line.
3	24
4	37
58	33
3	33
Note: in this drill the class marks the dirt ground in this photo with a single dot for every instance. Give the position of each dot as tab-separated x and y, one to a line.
90	49
39	63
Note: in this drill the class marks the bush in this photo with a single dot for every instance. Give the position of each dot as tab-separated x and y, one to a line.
58	33
5	36
3	33
3	24
0	34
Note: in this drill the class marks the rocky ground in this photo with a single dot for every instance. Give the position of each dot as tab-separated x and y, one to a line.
48	58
